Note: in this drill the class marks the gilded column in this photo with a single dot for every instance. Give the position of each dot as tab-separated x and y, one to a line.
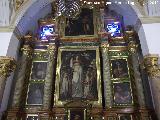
152	67
24	61
52	49
7	65
106	74
132	47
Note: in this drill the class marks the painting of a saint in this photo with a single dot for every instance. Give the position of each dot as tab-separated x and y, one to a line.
122	93
77	115
78	75
39	70
84	23
119	68
35	94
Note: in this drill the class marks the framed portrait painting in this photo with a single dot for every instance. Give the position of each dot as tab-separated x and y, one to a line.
78	76
125	117
84	22
77	114
35	94
39	70
119	68
122	93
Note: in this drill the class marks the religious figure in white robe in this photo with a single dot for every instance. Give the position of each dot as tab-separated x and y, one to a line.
77	90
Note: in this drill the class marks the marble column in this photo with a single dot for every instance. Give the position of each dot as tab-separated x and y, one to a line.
48	92
7	65
106	74
132	47
152	67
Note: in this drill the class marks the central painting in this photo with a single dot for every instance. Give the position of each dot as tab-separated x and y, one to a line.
78	76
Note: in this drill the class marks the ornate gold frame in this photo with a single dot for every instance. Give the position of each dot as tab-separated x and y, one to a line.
62	24
84	113
131	93
28	92
57	102
117	58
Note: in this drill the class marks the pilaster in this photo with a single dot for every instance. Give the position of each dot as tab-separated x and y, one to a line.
106	74
152	67
21	77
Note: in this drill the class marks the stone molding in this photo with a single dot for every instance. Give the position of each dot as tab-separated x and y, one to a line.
150	20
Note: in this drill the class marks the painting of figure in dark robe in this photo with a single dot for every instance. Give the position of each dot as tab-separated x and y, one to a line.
39	70
122	93
35	94
78	75
77	115
119	68
82	25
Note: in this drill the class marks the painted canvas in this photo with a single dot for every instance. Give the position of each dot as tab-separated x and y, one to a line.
35	94
84	23
119	68
122	93
78	75
77	115
39	70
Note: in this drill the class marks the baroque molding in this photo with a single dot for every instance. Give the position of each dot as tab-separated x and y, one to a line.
7	65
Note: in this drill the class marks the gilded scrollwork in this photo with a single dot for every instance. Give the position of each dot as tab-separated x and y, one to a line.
7	65
19	3
151	65
132	46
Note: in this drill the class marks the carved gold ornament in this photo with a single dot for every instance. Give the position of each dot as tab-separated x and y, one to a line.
7	65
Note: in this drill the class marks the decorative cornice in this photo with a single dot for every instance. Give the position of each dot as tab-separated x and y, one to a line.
151	65
149	20
7	65
6	29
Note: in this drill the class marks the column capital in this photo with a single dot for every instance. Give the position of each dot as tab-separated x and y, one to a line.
151	65
7	65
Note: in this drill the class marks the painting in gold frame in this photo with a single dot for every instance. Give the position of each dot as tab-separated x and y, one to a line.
39	69
119	68
77	114
122	94
86	22
78	75
125	117
35	93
